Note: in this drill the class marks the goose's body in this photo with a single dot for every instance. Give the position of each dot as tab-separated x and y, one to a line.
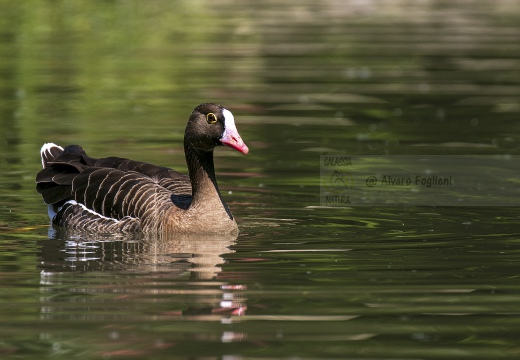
115	194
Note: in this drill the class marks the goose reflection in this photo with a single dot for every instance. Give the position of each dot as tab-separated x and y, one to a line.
175	273
185	255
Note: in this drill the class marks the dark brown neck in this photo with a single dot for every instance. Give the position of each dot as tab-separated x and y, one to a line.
205	190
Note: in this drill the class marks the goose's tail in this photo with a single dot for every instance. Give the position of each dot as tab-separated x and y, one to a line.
49	152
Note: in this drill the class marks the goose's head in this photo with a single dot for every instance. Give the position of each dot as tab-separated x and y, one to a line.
211	125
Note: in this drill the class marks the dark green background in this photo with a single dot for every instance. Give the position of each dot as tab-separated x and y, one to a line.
303	79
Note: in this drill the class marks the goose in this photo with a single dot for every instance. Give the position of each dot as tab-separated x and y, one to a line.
114	194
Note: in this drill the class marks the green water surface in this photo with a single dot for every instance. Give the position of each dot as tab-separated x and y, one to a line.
303	79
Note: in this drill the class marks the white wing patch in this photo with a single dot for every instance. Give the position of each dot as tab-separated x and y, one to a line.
74	202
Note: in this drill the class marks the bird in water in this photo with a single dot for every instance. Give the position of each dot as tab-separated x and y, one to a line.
115	194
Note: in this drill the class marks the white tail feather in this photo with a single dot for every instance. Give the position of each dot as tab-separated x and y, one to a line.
46	153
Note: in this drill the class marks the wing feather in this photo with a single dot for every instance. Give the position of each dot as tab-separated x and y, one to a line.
112	189
78	216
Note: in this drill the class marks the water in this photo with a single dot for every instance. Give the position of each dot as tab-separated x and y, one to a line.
303	80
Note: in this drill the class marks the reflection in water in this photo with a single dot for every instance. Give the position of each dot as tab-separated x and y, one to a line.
199	255
174	269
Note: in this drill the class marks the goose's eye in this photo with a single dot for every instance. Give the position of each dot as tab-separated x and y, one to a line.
211	118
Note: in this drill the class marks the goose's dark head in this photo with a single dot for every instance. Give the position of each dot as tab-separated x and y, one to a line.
211	125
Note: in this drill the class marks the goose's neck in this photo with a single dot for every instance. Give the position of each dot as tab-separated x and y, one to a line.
205	191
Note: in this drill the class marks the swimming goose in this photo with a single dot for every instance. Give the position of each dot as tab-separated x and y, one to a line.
116	194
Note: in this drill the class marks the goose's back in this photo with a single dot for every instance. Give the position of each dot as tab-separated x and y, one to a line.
108	194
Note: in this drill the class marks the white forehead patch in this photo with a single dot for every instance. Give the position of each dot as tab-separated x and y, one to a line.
229	121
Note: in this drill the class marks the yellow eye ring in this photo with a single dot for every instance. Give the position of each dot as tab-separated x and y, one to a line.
211	118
